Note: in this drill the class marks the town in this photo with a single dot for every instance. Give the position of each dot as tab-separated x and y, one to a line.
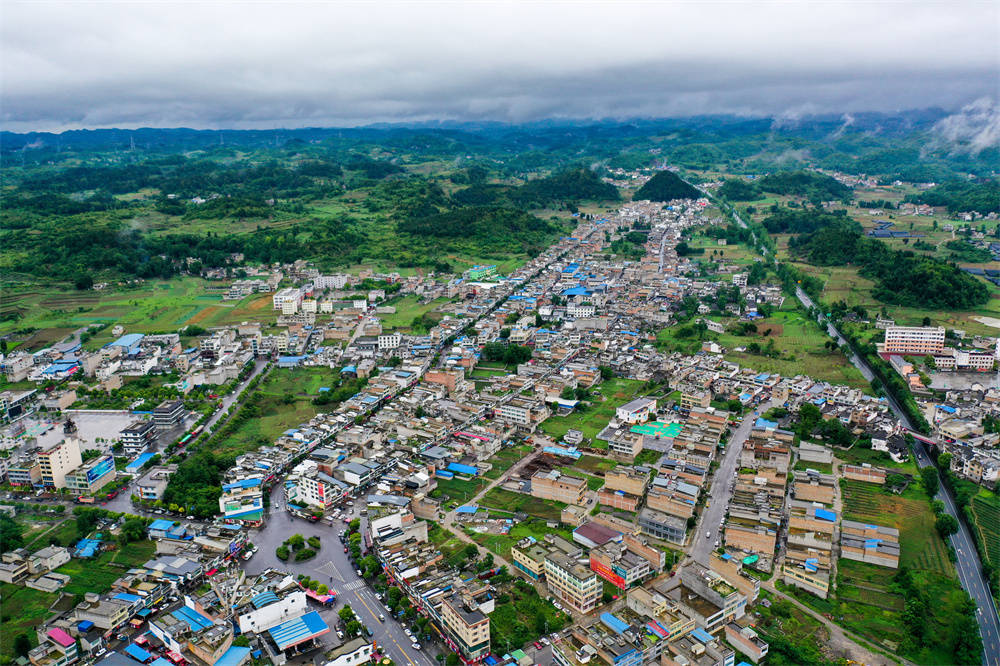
526	475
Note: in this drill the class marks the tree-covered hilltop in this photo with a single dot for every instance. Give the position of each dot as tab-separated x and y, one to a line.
666	186
799	220
960	196
569	186
811	185
901	276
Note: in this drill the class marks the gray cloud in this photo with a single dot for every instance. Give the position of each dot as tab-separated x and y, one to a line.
262	65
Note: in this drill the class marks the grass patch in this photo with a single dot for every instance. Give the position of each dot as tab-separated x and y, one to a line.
594	464
593	482
614	393
505	459
502	543
408	308
459	490
823	468
506	500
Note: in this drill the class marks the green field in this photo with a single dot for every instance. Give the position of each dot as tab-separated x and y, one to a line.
593	482
156	306
505	459
276	416
985	509
459	490
24	608
590	421
798	341
595	465
502	543
506	500
407	309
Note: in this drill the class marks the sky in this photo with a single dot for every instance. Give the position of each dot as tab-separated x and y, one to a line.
69	65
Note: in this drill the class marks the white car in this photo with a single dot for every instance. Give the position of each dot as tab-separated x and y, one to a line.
415	645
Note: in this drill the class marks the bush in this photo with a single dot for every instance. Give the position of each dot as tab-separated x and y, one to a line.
305	554
281	552
313	542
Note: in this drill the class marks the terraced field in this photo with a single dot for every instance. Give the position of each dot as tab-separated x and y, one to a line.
986	513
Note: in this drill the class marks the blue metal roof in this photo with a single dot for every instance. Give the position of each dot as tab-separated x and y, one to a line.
192	618
468	508
244	483
264	599
702	635
298	630
161	524
138	653
127	340
130	598
613	623
136	464
234	656
459	468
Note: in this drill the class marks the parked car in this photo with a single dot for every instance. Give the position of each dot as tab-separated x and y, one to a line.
415	645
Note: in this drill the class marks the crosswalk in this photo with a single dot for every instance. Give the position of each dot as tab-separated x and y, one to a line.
354	585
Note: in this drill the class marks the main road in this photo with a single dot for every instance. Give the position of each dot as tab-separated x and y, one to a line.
968	565
722	490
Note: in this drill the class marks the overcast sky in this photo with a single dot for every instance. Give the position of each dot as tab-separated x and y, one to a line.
263	65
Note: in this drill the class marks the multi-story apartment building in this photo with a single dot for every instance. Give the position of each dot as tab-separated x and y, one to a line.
618	565
917	340
389	341
529	559
468	627
571	582
523	412
24	470
626	479
660	525
555	486
137	437
636	411
168	414
57	460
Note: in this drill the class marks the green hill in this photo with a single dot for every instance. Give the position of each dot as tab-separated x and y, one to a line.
666	186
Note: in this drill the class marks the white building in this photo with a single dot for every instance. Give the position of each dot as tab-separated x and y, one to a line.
389	341
287	300
273	612
636	411
914	340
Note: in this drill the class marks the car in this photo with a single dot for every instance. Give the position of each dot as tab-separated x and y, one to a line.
381	618
360	573
716	543
378	595
538	646
345	549
340	634
708	535
122	637
369	631
543	640
409	634
100	653
415	645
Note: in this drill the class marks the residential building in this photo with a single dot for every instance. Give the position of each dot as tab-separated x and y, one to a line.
552	485
746	641
617	564
660	525
864	542
636	411
353	652
55	648
571	583
467	626
243	500
389	341
57	460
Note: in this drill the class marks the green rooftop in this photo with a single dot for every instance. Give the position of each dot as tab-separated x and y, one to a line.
657	429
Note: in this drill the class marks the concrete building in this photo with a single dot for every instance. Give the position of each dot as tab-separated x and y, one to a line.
571	582
468	627
636	411
57	460
137	437
660	525
864	542
92	475
918	340
552	485
168	414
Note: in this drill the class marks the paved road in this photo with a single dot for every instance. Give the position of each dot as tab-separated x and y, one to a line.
333	568
721	491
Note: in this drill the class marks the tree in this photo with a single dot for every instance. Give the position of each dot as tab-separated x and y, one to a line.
22	645
296	541
133	529
451	660
83	282
11	533
471	551
946	525
354	525
346	613
929	477
944	461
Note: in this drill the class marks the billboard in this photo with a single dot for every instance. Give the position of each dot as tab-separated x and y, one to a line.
102	467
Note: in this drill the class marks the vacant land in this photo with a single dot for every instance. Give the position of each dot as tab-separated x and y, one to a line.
798	347
459	490
506	500
502	543
591	420
285	402
408	308
506	459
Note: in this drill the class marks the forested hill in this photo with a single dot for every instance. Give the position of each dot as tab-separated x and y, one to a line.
902	277
569	186
666	186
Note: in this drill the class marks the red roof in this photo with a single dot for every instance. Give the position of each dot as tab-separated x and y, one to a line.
60	637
